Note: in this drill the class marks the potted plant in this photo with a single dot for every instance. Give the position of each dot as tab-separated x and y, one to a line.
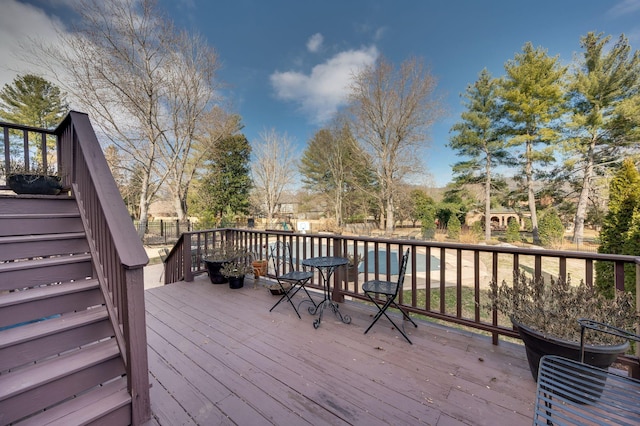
33	179
276	290
352	266
223	253
235	272
259	266
546	317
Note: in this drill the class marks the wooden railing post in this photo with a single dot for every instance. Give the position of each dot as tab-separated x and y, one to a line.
186	252
135	330
638	301
338	275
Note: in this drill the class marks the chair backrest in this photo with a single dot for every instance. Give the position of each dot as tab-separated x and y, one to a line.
403	270
163	252
281	259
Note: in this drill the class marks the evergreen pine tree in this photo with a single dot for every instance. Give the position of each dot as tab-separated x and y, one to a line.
620	227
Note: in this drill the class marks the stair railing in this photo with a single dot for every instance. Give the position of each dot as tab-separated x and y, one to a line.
113	241
19	143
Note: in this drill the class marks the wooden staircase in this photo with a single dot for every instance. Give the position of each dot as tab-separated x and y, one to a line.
59	361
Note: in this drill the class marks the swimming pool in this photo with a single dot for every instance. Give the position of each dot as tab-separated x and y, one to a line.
421	260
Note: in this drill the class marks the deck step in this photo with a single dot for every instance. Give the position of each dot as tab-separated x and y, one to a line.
19	204
27	305
101	404
28	390
32	342
29	246
30	273
36	223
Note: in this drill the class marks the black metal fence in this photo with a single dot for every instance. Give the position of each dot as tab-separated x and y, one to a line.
163	231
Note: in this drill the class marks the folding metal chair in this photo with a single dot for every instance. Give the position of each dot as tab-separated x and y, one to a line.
289	279
390	291
571	392
163	253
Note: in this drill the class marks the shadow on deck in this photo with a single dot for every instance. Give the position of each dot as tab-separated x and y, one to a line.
218	356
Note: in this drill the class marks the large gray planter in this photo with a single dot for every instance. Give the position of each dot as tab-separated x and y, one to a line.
537	345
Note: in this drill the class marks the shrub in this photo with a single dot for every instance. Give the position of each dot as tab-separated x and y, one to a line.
477	229
551	229
512	234
554	308
453	227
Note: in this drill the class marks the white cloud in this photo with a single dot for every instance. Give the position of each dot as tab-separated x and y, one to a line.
18	22
324	90
315	42
624	8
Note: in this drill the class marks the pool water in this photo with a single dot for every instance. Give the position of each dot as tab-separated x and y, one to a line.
382	261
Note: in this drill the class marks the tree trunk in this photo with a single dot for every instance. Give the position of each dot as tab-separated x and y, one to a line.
144	214
338	205
179	206
487	202
531	196
581	208
381	222
390	216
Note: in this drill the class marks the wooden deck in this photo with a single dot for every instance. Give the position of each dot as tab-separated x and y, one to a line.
218	356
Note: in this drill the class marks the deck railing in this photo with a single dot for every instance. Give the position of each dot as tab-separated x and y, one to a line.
29	147
118	254
114	244
444	281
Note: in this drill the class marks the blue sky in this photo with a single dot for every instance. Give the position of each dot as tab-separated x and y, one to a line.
286	63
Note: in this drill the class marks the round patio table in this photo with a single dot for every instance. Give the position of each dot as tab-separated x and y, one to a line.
326	265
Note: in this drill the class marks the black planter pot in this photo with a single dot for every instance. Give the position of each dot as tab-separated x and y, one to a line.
537	345
236	282
213	268
34	184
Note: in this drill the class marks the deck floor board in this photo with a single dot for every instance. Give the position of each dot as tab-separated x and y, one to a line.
218	356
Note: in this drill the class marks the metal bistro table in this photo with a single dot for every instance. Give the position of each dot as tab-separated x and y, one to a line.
326	266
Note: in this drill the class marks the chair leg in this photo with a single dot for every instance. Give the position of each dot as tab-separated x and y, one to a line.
378	314
290	293
404	314
288	297
382	311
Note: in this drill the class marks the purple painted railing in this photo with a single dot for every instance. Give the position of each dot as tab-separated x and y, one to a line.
118	254
21	144
114	244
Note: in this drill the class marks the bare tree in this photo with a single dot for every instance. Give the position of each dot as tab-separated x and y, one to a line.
189	94
144	84
330	164
392	110
273	169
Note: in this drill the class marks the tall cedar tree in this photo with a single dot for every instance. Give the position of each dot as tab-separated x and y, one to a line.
226	183
551	229
619	234
532	102
605	113
425	211
478	140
